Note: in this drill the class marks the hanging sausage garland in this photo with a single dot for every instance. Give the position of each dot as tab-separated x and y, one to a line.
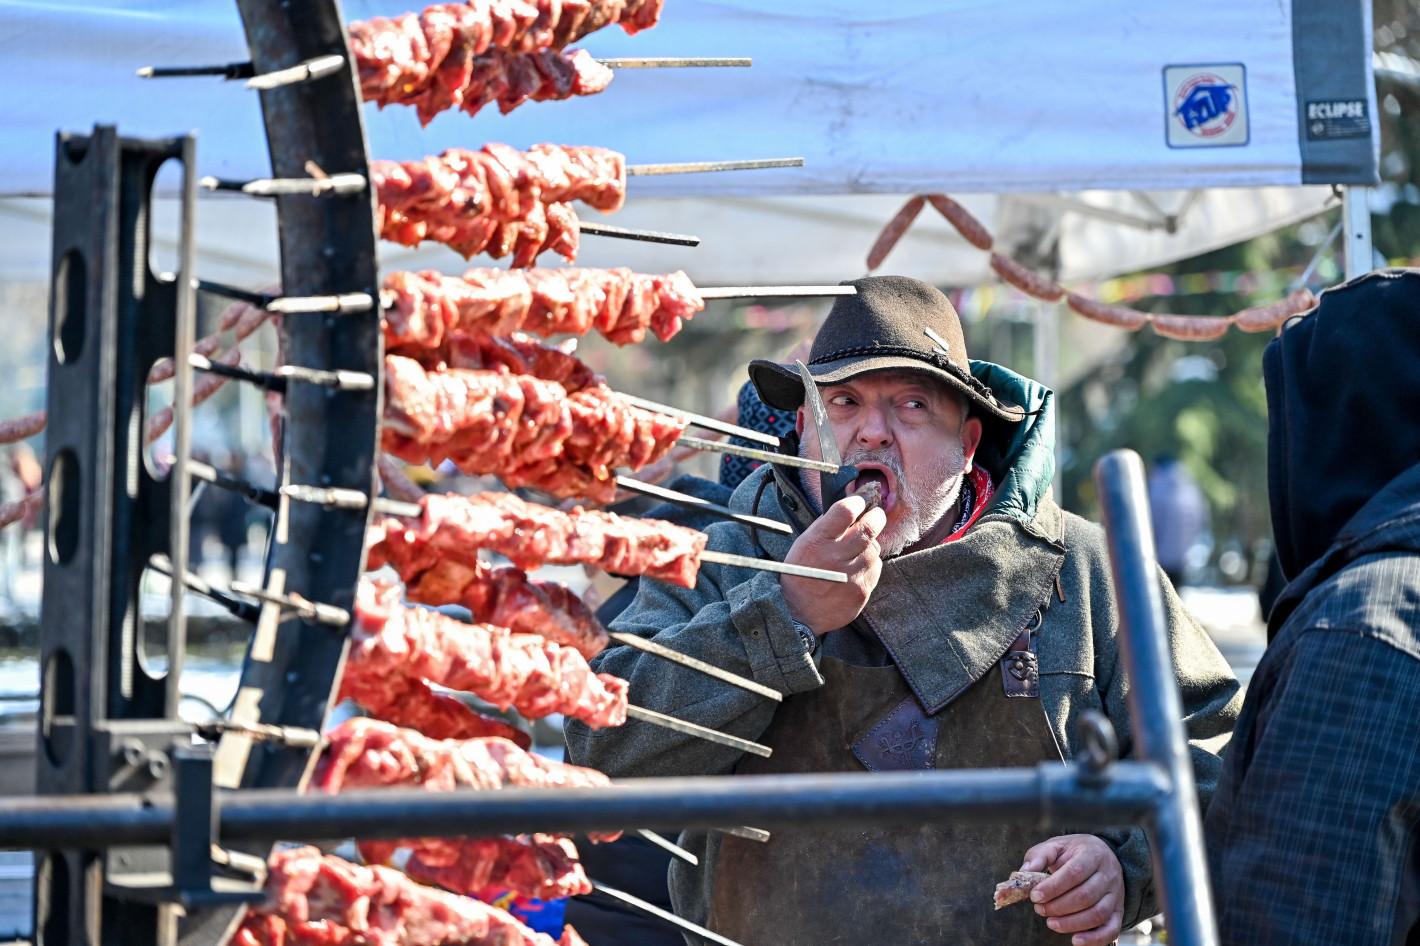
1188	328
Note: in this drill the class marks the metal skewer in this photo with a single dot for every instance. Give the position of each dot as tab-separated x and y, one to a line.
276	380
301	72
660	914
318	495
701	732
669	845
698	167
646	236
267	498
670	62
244	610
335	185
700	420
749	834
769	565
764	456
308	610
774	292
659	650
703	505
288	305
232	70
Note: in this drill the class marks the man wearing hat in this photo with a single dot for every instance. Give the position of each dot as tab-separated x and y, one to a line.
977	624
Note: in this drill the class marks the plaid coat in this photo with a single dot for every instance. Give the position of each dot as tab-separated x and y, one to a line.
1314	831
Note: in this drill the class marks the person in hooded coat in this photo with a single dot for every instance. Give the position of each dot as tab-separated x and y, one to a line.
973	640
1312	835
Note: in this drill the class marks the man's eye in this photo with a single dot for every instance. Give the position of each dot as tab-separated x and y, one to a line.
917	405
842	400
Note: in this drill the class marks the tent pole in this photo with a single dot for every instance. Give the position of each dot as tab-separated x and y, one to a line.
1356	212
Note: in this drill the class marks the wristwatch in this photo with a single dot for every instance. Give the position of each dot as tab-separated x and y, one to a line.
810	638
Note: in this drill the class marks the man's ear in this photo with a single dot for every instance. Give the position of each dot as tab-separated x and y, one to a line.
799	421
970	440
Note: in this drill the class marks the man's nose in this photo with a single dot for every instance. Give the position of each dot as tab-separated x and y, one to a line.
874	432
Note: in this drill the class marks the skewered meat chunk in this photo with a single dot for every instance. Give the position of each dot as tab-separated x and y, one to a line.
364	753
544	866
541	866
527	431
428	307
367	753
413	704
377	906
524	671
510	79
505	597
497	200
498	182
455	527
1017	887
433	59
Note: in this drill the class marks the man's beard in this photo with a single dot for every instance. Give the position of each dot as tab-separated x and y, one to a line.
922	500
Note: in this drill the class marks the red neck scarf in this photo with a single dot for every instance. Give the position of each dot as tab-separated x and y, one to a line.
976	492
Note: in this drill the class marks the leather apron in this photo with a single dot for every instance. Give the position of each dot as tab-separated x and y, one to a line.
903	886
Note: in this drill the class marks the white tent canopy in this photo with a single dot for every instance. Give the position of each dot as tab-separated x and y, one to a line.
1185	129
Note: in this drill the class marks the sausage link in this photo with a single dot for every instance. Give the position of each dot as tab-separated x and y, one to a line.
1031	283
958	216
20	428
1119	315
1264	317
1191	328
893	232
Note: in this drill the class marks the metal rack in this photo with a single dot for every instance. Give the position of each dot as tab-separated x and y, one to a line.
154	838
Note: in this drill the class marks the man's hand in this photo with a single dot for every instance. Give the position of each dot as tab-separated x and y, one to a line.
840	541
1084	894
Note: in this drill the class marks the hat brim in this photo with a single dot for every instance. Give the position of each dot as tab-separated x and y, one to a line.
780	387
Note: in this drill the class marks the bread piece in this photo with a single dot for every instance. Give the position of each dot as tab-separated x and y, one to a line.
1018	887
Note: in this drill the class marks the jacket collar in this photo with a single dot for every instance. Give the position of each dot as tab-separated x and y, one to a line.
942	633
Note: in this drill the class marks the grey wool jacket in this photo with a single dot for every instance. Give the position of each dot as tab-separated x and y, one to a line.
1022	556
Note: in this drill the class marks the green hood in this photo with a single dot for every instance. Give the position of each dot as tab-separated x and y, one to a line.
1020	457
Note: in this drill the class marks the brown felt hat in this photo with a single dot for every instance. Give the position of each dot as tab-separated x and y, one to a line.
894	323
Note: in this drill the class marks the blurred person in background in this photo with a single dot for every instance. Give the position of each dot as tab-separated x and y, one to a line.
1180	515
1314	831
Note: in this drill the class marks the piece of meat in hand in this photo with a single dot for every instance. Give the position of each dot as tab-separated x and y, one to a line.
1018	887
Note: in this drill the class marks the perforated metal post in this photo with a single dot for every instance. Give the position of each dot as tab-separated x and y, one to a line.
106	718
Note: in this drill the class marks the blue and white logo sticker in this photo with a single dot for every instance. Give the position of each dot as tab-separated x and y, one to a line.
1206	106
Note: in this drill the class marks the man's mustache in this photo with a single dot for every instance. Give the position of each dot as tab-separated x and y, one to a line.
886	459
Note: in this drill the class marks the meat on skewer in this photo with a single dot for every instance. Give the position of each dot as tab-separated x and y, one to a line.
505	597
428	307
430	59
541	866
527	431
367	753
411	703
535	676
497	200
510	79
379	905
455	527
